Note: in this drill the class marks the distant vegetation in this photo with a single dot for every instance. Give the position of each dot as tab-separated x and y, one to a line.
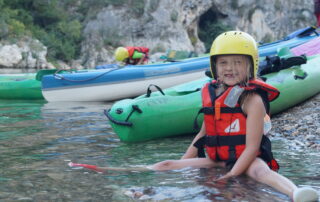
47	20
56	23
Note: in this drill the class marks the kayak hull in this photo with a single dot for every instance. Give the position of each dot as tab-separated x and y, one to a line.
107	91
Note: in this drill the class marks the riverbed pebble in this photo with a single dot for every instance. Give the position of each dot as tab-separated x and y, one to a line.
300	124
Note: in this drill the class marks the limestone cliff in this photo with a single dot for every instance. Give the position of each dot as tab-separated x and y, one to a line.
166	24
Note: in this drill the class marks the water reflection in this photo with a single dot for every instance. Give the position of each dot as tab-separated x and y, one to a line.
38	139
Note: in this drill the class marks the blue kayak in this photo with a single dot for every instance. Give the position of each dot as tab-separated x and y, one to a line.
119	82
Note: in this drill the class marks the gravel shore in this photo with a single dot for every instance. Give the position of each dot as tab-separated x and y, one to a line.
300	125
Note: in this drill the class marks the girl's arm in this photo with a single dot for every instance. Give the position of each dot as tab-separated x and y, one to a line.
192	151
141	61
254	108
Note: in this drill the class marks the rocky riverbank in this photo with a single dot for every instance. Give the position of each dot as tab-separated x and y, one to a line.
300	125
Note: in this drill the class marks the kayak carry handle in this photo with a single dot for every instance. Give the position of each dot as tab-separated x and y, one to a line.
296	77
149	90
122	123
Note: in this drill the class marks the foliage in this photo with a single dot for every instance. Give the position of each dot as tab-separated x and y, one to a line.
267	38
158	48
137	7
89	7
192	37
111	37
277	5
16	28
58	24
153	5
174	16
234	4
48	21
210	31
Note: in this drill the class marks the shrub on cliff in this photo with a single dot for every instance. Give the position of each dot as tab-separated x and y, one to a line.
48	21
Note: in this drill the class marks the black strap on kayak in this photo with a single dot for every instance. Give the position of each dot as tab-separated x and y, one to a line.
308	31
122	123
135	108
275	63
293	61
149	90
305	74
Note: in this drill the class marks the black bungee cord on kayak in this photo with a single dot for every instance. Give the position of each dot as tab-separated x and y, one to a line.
135	108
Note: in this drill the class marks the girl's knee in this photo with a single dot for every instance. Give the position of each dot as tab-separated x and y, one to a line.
258	170
163	165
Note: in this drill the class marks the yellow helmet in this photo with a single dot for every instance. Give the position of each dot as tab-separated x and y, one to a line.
235	43
121	54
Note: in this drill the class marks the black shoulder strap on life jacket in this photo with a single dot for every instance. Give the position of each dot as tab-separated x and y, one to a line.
199	144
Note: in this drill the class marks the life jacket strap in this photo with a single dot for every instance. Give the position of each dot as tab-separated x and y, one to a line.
199	144
211	110
230	140
232	157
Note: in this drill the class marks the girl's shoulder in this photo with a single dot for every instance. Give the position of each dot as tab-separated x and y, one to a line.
251	101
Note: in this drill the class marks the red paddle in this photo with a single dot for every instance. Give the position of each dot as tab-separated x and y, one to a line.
88	166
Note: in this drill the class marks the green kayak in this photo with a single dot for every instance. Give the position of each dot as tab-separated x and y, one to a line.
155	115
25	86
20	86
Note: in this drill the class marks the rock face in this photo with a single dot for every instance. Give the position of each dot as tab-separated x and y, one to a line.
165	24
26	54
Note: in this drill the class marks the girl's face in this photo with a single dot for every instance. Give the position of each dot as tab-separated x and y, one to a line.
233	69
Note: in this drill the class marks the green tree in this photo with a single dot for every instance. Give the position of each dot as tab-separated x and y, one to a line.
49	21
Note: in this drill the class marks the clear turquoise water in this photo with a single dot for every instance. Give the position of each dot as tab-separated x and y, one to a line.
38	139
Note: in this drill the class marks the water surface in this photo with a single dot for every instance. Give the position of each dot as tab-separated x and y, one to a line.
38	139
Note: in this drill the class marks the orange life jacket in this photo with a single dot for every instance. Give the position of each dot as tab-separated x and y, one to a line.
131	50
225	138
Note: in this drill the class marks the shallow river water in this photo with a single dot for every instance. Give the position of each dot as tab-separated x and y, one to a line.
39	139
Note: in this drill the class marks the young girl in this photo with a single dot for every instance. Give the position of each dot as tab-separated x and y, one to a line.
235	107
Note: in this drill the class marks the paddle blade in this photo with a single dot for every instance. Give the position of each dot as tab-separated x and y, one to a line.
87	166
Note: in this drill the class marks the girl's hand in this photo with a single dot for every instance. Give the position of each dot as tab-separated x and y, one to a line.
224	177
